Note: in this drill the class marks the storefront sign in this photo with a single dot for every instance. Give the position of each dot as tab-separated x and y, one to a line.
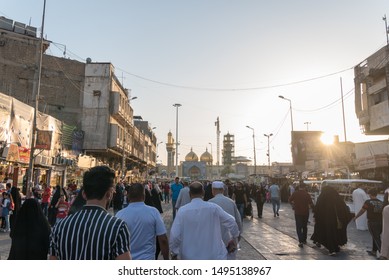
13	153
373	162
24	155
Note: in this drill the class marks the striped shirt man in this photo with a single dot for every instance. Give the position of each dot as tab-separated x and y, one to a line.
90	234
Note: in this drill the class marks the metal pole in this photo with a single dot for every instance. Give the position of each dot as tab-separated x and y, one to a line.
124	152
386	29
211	152
291	113
255	156
344	119
34	124
290	109
211	161
177	105
307	123
268	149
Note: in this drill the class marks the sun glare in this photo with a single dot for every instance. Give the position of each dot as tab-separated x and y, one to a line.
327	139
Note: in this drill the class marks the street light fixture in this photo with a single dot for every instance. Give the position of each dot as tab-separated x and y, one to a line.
307	124
255	157
177	105
268	149
290	109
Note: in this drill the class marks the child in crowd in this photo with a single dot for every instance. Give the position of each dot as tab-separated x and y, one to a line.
5	211
63	208
125	199
2	222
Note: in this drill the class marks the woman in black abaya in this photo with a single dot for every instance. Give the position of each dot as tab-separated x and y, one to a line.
331	218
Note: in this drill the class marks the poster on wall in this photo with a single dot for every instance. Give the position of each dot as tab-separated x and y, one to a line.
43	139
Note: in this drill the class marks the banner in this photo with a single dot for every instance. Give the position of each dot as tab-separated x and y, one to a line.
307	148
43	139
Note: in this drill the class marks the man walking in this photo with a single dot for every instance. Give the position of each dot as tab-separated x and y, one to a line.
196	231
183	196
175	189
301	201
228	205
373	207
275	198
145	225
92	233
359	198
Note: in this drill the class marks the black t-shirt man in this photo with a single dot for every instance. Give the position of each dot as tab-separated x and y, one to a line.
373	208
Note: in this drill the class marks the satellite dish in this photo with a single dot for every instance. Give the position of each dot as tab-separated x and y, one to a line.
89	60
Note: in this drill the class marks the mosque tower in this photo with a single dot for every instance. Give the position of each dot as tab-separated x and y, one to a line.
170	153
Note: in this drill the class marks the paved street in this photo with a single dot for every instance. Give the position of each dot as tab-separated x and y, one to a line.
276	239
273	239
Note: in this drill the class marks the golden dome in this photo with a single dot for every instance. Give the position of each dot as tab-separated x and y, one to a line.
206	157
191	156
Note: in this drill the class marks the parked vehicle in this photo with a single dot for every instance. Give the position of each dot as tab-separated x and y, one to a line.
345	188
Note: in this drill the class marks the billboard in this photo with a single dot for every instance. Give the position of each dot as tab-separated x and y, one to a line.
43	139
307	150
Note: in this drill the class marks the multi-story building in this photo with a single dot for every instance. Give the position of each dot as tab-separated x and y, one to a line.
371	93
86	96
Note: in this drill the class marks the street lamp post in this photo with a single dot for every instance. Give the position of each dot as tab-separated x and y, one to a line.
268	150
307	124
290	109
211	161
255	156
211	152
177	105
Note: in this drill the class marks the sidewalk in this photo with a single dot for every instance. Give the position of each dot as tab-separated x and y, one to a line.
276	238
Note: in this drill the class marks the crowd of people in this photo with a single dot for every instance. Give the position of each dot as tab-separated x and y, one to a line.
75	222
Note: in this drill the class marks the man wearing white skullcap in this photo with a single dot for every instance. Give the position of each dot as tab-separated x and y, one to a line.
196	230
228	205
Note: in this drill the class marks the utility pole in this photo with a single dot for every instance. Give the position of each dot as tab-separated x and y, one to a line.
386	29
307	124
255	157
268	151
177	105
36	108
344	119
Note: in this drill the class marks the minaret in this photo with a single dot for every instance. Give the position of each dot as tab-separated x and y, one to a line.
170	153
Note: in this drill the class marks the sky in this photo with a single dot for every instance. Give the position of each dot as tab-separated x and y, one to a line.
223	58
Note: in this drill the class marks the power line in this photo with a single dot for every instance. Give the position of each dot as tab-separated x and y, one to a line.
234	89
348	94
214	89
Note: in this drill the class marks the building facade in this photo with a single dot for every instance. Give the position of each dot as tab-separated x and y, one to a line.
85	96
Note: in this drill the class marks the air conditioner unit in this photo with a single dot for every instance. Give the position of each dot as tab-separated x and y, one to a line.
56	160
46	160
38	160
